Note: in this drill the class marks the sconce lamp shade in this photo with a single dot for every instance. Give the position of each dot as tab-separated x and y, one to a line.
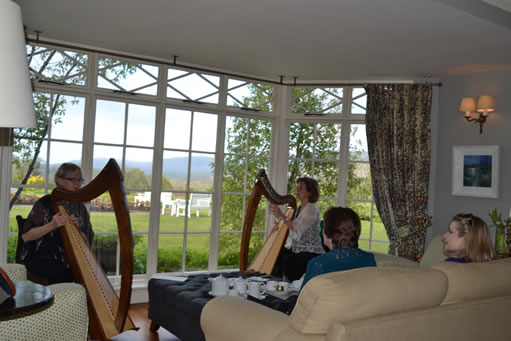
467	105
485	105
16	101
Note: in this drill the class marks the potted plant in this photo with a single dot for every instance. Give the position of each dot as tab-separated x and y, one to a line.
500	236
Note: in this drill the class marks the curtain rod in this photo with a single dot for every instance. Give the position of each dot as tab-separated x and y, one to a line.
195	68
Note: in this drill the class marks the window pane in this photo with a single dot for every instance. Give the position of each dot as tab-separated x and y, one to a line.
245	94
191	86
301	137
175	168
118	75
359	181
61	152
328	141
141	122
177	128
358	143
104	153
318	100
197	252
21	164
202	171
358	101
69	126
57	65
109	122
204	132
326	173
170	252
139	168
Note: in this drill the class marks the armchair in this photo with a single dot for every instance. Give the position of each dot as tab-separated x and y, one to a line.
65	319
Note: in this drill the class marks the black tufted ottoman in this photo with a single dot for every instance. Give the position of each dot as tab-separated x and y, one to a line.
177	306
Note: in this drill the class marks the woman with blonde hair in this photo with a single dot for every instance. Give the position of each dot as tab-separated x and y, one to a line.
468	240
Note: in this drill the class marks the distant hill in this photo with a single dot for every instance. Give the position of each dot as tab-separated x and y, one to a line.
174	168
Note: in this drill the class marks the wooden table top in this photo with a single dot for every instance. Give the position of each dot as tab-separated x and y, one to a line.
29	297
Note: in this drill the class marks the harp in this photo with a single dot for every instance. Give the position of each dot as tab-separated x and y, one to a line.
265	259
108	313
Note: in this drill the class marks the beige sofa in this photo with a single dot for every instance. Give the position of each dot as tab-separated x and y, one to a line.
449	301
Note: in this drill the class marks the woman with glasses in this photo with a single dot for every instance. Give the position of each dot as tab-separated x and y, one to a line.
468	240
43	251
304	231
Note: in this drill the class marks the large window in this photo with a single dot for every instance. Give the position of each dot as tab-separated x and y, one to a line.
189	145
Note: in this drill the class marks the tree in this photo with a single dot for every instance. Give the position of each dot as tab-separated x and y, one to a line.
136	178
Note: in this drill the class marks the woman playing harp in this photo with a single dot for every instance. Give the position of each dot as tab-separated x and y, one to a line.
43	251
304	231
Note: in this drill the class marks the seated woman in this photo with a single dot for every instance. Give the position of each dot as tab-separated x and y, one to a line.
341	232
43	251
468	240
304	231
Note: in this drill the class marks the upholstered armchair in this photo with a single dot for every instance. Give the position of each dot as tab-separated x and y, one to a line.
65	319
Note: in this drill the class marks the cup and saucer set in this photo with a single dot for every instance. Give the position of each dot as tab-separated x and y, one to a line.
255	287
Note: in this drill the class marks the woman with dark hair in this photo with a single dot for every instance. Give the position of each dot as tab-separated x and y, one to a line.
341	232
43	251
468	240
304	231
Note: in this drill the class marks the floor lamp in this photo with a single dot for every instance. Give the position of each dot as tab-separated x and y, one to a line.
16	102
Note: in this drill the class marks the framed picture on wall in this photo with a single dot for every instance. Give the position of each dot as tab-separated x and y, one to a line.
475	171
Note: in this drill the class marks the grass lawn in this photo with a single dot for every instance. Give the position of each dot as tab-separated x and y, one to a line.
172	229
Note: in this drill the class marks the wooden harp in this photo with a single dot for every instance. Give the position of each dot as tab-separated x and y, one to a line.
266	258
108	313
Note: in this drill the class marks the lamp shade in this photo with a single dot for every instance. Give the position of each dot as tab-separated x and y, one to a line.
485	104
16	101
468	104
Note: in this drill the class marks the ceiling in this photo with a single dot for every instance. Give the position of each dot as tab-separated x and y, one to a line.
313	40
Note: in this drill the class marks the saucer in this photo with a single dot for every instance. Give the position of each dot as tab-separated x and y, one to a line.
261	297
216	295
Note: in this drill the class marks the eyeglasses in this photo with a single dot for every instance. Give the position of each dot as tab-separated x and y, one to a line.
80	180
467	218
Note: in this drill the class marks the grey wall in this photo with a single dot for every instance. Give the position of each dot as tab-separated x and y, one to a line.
452	129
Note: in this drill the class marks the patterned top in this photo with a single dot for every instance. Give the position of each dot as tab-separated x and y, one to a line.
306	233
50	246
338	260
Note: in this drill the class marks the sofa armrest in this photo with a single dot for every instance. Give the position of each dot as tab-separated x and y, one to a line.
230	318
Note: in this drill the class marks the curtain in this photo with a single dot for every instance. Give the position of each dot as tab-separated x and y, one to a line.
399	146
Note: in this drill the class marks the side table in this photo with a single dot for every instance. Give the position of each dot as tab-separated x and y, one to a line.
30	297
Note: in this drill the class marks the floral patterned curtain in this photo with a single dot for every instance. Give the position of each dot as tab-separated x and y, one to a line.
399	145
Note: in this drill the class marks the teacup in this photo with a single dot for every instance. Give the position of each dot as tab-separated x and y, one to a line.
271	285
254	290
233	292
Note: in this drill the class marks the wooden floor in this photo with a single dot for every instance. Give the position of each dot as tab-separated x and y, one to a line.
138	313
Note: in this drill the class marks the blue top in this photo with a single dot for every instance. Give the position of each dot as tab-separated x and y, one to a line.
456	260
338	260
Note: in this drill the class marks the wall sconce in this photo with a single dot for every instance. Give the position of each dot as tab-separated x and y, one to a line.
484	106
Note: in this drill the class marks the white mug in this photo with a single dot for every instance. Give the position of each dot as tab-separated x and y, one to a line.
254	289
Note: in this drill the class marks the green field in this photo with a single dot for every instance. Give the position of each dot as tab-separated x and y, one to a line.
170	241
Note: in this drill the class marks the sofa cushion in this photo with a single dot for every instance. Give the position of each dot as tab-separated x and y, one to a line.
360	293
476	280
434	253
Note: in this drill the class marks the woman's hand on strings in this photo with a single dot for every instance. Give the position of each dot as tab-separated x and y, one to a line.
275	210
57	221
